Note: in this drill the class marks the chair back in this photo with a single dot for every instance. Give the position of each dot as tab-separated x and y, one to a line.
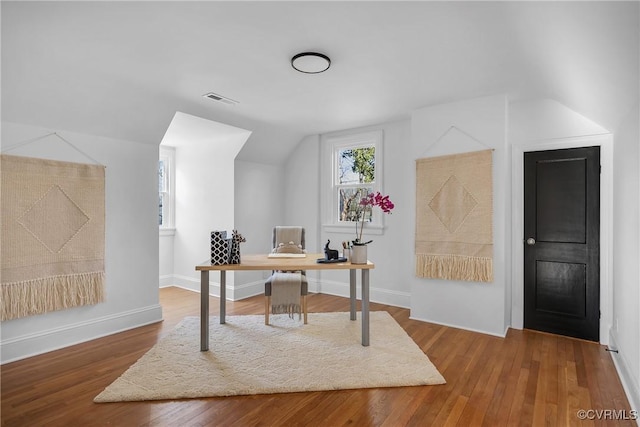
286	234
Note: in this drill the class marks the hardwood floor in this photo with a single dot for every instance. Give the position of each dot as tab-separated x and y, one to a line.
526	379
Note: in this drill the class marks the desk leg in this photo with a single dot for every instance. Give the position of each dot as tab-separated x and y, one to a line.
352	293
223	297
365	307
204	310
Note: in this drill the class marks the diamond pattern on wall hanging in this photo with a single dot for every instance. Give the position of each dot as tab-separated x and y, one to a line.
452	204
54	219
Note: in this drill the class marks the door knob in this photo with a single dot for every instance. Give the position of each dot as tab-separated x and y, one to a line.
531	241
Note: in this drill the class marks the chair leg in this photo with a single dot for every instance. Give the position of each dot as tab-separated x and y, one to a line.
267	303
304	308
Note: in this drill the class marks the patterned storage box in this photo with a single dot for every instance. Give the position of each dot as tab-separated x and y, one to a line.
220	247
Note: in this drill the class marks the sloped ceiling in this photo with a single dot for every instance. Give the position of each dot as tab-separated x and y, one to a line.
123	69
187	131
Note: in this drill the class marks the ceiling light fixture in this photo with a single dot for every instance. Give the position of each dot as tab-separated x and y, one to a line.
310	62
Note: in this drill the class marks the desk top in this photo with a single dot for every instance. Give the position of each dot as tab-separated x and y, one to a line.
263	262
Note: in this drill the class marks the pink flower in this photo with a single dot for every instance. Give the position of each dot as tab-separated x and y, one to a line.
377	199
372	199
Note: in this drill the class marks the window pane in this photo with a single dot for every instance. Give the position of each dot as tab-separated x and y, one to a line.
349	203
162	174
166	163
160	210
357	165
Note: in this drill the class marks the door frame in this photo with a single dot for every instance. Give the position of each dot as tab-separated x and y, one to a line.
605	142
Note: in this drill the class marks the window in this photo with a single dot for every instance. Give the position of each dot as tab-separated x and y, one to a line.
166	188
356	170
356	167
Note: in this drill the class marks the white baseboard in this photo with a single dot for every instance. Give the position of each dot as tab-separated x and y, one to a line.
166	280
246	290
449	325
194	284
53	339
341	289
234	293
629	383
250	289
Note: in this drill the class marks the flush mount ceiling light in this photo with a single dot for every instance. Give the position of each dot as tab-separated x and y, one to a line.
311	62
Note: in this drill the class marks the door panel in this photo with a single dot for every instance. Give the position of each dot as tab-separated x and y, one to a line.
562	226
561	201
560	288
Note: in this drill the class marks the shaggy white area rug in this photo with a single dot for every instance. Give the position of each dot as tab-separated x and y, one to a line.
248	357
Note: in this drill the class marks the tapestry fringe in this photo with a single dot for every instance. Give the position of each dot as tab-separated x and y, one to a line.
289	309
38	296
454	267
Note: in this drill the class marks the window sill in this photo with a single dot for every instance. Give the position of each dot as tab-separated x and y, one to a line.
373	230
167	231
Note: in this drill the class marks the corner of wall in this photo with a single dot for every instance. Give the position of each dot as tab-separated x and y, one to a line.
629	383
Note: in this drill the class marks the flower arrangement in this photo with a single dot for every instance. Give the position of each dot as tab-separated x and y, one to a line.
368	202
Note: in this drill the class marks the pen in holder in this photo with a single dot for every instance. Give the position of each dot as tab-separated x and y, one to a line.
346	251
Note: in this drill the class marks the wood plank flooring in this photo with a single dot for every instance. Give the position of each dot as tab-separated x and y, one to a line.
525	379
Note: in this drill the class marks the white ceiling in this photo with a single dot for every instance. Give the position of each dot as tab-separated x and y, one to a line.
123	69
186	130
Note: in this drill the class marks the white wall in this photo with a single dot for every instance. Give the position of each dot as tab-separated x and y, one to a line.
203	153
300	197
547	119
390	251
479	124
625	332
260	205
165	257
131	255
301	190
204	202
548	125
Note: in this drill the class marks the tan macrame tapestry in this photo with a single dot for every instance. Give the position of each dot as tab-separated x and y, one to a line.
52	235
454	216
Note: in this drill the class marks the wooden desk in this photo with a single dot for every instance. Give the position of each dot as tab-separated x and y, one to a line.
263	262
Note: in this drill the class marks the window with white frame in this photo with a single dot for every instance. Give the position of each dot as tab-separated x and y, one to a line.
356	170
166	188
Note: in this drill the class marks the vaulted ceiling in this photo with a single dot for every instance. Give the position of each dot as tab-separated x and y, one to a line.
123	69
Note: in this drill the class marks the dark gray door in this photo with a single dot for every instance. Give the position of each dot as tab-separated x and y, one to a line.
562	242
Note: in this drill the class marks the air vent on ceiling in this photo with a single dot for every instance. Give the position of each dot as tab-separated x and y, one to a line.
220	98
